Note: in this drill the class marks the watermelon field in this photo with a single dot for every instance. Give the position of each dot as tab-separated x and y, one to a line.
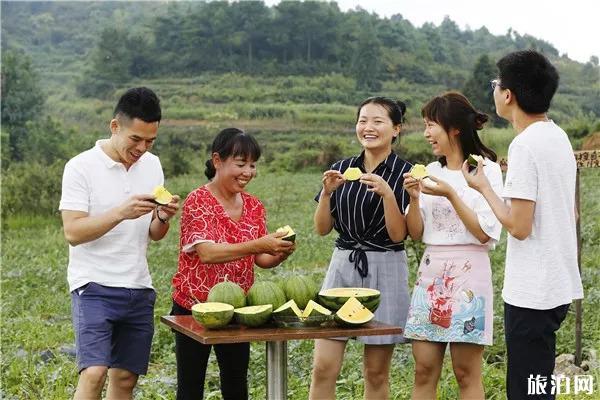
289	75
37	337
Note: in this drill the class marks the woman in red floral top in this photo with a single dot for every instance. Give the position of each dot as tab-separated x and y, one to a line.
223	234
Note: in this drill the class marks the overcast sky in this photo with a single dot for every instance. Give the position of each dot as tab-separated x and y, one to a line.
572	26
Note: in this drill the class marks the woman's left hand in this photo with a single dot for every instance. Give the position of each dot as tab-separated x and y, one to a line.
376	184
436	187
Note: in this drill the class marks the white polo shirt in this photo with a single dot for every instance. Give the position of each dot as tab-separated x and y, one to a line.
541	271
95	183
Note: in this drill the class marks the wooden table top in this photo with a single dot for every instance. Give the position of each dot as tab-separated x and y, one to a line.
236	334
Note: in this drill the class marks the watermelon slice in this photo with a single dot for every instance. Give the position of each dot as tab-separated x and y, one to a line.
353	313
212	315
253	316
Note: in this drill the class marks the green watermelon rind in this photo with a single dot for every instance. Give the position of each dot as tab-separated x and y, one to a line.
291	238
340	321
253	320
300	289
472	160
334	303
266	292
228	293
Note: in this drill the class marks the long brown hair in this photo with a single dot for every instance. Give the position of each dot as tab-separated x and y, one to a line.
452	110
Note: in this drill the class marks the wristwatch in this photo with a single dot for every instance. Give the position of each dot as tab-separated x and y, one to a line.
162	220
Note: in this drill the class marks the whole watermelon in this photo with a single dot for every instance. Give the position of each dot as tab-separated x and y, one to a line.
300	289
228	293
266	293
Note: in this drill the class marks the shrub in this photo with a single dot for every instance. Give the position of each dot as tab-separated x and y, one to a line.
31	188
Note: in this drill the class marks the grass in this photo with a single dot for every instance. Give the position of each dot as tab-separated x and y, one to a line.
36	306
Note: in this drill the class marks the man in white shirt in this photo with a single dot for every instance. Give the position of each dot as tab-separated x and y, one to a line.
541	276
109	217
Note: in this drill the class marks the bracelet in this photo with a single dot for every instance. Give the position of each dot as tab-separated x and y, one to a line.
162	220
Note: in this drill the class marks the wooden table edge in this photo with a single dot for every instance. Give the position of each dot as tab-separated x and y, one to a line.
186	325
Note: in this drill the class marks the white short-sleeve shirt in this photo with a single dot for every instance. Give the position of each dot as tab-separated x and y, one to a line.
541	270
94	183
441	223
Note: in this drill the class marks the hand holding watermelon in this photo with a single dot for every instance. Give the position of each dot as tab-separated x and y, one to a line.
274	244
477	180
332	179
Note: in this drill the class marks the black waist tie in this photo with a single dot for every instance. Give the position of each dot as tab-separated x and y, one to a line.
358	255
361	263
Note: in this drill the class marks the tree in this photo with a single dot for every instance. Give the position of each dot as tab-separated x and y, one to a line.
112	61
22	98
367	62
22	101
478	90
252	19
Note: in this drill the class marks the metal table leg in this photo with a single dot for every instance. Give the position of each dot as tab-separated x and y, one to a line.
277	370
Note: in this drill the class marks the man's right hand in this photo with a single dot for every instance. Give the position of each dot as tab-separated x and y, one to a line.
136	206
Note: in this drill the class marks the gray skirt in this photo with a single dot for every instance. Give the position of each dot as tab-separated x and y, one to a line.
388	273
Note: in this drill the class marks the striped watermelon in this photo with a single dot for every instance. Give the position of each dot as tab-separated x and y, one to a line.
335	298
265	293
300	289
229	293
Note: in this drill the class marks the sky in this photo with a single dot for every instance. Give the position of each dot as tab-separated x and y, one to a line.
572	27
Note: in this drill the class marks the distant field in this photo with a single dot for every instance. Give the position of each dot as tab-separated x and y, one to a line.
36	311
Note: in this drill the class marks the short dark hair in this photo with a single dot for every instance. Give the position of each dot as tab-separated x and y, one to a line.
232	142
141	103
531	77
396	109
452	110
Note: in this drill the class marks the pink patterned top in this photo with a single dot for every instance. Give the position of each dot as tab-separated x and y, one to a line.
204	219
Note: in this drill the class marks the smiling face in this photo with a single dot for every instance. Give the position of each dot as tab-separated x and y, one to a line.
374	127
442	143
234	173
130	139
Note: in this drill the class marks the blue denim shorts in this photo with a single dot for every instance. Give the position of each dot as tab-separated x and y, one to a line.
113	326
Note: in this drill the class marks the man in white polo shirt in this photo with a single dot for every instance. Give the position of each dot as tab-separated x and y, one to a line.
109	217
542	276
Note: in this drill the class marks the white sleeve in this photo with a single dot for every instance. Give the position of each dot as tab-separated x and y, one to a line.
521	176
75	194
189	248
160	172
487	220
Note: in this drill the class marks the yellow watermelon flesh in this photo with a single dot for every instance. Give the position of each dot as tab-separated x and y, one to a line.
212	315
353	313
162	195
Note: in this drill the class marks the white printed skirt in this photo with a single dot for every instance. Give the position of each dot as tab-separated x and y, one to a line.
452	300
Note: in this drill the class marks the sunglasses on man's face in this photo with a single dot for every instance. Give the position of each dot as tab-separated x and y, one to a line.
494	83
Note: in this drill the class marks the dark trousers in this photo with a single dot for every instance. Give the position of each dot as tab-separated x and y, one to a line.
192	360
531	348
